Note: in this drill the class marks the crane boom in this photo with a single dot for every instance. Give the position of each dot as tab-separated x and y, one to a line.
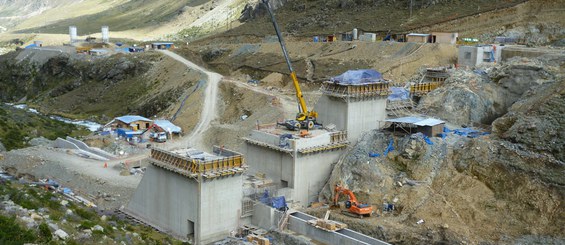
303	114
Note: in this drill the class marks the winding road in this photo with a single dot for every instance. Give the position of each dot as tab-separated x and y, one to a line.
209	108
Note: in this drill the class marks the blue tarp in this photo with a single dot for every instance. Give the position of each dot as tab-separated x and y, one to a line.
352	77
389	148
278	202
374	154
33	45
469	132
398	93
427	139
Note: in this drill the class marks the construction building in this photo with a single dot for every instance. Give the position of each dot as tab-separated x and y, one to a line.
193	195
430	127
162	45
444	37
355	106
471	56
417	38
299	164
130	122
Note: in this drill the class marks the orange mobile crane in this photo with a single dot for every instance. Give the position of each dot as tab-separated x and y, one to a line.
305	119
353	206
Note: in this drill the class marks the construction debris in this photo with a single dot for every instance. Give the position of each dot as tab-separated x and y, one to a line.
326	224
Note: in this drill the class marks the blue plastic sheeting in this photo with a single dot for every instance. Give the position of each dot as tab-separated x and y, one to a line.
33	45
389	148
278	202
374	154
358	77
428	141
469	132
446	130
67	191
398	93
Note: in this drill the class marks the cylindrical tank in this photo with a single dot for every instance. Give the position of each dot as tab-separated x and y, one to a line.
73	33
355	34
105	34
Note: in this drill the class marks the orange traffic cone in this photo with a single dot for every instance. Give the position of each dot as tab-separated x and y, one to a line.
105	165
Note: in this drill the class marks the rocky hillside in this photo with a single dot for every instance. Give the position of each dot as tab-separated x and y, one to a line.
479	96
146	84
502	188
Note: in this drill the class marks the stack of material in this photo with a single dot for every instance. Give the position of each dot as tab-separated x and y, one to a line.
326	224
259	240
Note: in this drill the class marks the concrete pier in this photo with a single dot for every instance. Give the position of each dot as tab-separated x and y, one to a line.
190	194
354	108
301	163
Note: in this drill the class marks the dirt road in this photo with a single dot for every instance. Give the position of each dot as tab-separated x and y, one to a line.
209	108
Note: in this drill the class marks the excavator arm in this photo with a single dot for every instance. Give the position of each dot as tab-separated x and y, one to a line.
339	190
303	114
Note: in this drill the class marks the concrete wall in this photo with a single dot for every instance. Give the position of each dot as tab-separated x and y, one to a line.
416	39
220	207
306	173
65	144
169	201
445	37
364	115
268	218
95	151
312	172
332	110
356	116
467	56
275	164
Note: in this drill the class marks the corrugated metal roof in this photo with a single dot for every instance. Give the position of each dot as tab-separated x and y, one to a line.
168	126
429	122
418	121
162	43
132	118
418	34
405	119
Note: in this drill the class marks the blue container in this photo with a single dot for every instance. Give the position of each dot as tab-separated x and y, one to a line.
316	39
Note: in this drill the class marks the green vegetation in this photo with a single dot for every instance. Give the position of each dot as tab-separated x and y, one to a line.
13	232
18	126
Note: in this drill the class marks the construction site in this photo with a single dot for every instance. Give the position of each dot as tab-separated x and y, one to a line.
266	129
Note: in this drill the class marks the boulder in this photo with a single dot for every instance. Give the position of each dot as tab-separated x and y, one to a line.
61	234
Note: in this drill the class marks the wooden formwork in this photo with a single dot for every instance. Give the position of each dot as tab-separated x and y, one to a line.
357	90
224	166
423	88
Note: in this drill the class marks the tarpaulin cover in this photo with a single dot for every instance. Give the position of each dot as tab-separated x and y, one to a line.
278	202
358	77
398	93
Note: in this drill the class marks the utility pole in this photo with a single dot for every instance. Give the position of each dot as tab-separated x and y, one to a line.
411	4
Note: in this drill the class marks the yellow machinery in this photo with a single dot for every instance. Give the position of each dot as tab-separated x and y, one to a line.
304	119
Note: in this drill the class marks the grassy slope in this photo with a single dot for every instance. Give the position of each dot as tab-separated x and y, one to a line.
130	15
17	124
307	18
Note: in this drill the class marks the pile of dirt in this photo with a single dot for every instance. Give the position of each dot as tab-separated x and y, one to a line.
481	95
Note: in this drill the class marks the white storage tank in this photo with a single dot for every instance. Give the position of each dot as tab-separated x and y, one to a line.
73	33
355	34
105	34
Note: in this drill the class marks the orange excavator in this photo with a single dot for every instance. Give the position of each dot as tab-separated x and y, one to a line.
354	208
